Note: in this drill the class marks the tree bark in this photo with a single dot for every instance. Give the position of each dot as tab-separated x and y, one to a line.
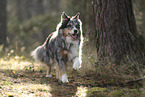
142	5
116	33
140	9
3	22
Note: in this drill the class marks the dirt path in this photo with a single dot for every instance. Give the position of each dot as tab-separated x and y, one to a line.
34	83
19	77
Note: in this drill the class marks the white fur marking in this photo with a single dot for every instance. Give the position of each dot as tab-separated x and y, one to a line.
76	64
64	78
49	75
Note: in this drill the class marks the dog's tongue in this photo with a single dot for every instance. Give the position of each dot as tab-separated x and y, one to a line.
74	36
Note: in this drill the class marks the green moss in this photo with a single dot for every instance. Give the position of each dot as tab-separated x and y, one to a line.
96	91
6	82
125	93
116	93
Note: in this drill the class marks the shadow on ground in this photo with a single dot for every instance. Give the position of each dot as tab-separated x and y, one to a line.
29	79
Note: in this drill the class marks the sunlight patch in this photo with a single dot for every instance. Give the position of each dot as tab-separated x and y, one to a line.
81	91
14	63
29	90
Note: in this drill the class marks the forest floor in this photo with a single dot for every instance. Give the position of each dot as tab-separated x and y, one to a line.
20	77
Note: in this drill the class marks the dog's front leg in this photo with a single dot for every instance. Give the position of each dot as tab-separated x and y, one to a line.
76	63
62	70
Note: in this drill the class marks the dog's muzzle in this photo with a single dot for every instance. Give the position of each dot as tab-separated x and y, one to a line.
74	35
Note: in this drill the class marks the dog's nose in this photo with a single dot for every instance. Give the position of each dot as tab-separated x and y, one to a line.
75	31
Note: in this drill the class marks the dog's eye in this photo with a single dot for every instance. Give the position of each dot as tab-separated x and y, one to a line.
69	25
77	26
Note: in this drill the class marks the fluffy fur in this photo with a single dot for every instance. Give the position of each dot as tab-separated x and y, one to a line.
62	47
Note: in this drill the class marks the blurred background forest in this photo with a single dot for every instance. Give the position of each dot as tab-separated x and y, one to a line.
30	22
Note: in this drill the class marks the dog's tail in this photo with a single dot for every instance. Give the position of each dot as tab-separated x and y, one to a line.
39	54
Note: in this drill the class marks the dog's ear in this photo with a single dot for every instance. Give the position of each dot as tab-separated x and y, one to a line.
64	17
64	20
77	16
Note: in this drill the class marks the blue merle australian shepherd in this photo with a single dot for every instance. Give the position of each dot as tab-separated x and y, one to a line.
62	47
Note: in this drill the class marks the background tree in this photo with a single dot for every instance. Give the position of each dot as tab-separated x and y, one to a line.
139	8
3	22
116	34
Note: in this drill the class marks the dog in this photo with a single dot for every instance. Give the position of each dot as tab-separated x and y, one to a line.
62	47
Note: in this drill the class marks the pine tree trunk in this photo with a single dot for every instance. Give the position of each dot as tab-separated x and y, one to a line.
3	22
116	33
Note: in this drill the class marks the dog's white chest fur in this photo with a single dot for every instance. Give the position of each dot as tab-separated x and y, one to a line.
73	47
73	54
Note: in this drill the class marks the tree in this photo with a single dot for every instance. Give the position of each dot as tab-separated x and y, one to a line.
3	22
116	34
140	8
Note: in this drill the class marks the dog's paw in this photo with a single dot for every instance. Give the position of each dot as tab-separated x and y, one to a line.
64	78
76	64
49	75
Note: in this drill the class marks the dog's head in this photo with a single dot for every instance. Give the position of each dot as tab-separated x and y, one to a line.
71	27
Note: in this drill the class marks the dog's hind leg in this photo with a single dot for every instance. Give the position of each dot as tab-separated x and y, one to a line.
48	73
57	71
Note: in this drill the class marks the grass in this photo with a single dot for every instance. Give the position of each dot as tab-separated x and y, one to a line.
22	77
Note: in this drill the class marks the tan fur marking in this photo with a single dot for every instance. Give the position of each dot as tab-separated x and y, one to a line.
66	31
64	54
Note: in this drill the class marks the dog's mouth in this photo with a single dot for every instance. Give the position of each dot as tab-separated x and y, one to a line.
74	36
